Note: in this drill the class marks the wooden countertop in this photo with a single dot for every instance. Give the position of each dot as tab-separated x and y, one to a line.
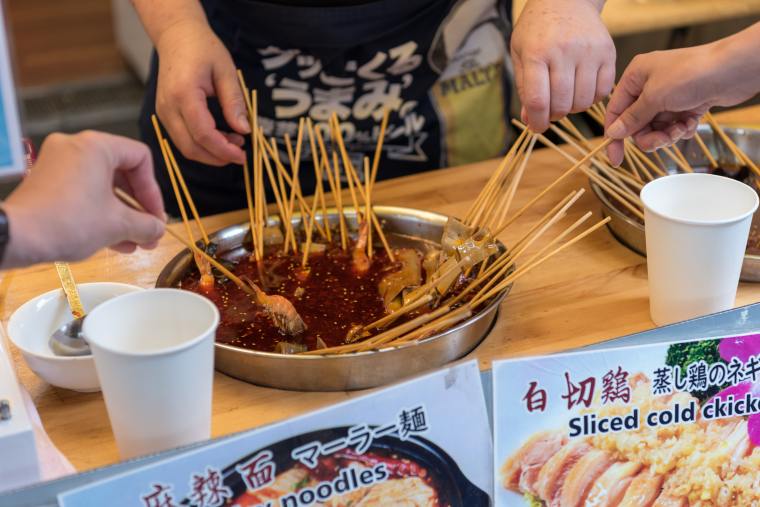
594	291
625	17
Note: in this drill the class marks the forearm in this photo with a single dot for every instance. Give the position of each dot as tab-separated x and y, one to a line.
737	59
158	16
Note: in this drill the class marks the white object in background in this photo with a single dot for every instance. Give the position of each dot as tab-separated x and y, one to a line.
154	354
12	162
696	232
31	325
19	464
134	43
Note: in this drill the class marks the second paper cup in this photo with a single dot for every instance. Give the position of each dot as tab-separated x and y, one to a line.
697	227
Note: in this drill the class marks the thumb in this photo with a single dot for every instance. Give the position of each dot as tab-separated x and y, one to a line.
141	228
633	119
231	97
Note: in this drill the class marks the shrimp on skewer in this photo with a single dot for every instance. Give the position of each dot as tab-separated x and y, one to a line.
207	277
359	254
280	310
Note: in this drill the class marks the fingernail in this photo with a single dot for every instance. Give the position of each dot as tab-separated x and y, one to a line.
243	121
677	133
691	123
616	130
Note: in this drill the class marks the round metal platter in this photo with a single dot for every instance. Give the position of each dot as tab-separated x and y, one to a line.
360	370
630	231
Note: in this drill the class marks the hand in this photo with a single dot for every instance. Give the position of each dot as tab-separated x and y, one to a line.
564	59
662	95
195	65
66	210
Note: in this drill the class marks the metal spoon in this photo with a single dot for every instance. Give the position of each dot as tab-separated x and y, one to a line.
67	340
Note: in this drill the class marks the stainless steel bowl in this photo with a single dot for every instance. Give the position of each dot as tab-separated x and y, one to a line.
630	231
361	370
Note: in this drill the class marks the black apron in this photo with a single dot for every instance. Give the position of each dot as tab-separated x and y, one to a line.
439	66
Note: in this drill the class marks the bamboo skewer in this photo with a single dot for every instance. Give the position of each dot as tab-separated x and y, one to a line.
433	327
738	153
556	217
516	180
614	186
339	203
379	146
172	179
290	238
251	217
129	200
284	219
292	181
319	190
368	204
475	212
646	160
556	182
528	267
333	178
705	150
310	226
186	192
391	317
498	266
570	127
353	181
680	163
244	89
623	195
621	192
640	165
503	265
660	162
680	155
492	201
619	177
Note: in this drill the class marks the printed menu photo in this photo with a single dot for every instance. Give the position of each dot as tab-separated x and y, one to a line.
661	425
422	443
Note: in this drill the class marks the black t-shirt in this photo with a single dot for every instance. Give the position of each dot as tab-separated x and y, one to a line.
440	66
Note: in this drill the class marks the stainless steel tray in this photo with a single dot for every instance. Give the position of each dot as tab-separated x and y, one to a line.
359	370
630	232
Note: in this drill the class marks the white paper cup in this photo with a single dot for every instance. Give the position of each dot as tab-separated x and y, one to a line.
696	231
154	354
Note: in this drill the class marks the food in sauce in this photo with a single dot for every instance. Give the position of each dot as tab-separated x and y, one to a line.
327	303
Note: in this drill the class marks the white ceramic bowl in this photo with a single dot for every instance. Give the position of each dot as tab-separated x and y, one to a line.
31	325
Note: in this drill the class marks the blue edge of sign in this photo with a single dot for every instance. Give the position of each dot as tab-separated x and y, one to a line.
745	319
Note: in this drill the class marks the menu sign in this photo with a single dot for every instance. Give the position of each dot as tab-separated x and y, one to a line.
666	424
11	155
425	442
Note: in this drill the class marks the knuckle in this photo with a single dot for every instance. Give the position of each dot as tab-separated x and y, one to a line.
203	137
560	111
88	137
56	139
535	102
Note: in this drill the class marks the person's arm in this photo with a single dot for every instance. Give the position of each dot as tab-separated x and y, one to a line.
66	210
194	65
662	95
564	59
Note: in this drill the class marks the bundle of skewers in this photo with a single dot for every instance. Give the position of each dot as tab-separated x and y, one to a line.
623	184
409	295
